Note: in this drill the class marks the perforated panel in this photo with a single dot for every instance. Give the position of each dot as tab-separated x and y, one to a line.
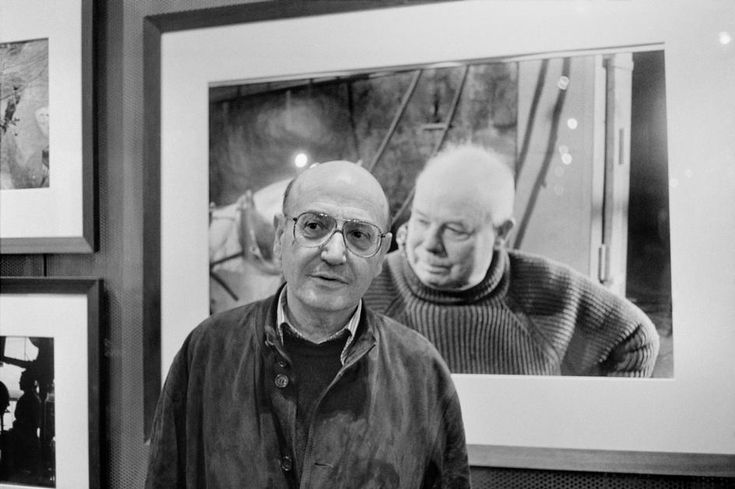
487	478
20	265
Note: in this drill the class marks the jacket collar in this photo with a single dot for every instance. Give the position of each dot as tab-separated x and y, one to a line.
363	338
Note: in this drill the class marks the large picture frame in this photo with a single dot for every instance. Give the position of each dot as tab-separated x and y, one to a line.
56	215
531	422
66	312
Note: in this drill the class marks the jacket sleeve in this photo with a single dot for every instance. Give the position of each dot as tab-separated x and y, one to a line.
166	464
450	467
456	471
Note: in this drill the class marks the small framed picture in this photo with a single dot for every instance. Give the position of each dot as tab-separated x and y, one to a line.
46	146
49	382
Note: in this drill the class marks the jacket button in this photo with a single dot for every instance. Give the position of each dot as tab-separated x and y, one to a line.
286	463
281	381
282	363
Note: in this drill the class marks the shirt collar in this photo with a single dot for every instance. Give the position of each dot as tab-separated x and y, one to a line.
349	329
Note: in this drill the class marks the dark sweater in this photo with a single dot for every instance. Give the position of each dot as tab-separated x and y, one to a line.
528	316
316	364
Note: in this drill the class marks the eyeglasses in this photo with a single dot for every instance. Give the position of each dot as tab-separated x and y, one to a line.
313	229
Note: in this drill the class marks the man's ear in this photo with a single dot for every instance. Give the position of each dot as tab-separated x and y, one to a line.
387	240
384	247
279	222
503	231
401	234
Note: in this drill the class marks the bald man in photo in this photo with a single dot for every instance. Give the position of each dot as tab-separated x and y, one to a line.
489	310
309	388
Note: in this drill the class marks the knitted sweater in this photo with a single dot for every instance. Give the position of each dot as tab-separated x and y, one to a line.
528	316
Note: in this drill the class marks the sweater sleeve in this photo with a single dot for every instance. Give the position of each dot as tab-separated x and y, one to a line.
618	338
594	331
635	355
166	464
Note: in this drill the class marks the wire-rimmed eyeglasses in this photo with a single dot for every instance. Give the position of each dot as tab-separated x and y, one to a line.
312	229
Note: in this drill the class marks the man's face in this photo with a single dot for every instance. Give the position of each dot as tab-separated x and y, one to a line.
328	278
450	237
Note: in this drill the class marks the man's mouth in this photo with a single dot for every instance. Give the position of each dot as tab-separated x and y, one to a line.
438	267
329	277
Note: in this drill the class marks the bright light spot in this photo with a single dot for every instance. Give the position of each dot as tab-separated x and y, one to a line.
563	82
300	160
725	38
572	123
558	189
674	182
566	158
688	173
563	148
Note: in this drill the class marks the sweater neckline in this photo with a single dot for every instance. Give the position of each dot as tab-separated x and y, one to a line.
492	285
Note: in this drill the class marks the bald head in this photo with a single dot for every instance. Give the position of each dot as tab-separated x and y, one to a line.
474	175
462	208
340	178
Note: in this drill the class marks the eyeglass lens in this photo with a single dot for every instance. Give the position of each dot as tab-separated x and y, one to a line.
315	228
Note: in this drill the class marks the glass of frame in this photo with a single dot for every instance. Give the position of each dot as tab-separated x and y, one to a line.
633	425
49	369
46	147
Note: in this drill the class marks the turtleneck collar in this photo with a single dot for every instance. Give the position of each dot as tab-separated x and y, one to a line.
495	283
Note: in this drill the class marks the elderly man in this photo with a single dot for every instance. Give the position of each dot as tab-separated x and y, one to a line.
493	311
308	388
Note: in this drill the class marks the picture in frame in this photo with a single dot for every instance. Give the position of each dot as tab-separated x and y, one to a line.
264	134
49	369
46	136
574	423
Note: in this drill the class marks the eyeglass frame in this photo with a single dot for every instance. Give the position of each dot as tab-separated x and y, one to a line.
341	231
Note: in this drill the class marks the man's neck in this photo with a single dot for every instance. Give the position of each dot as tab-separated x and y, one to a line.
316	326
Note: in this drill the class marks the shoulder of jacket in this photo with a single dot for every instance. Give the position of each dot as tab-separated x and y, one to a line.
223	325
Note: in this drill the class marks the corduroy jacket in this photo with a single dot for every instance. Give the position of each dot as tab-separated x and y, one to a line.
389	419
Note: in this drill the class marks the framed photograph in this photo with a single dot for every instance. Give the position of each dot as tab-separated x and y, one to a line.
229	91
46	127
49	382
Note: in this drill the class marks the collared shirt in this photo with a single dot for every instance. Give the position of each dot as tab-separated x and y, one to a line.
350	328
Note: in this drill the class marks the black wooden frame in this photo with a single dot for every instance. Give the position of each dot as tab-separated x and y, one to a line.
92	289
674	463
87	242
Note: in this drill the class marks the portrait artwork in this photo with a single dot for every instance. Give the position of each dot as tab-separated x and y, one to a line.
551	121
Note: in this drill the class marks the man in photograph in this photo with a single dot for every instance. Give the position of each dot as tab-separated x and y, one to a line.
309	388
489	310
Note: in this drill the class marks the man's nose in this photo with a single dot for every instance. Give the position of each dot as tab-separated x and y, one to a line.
334	250
433	240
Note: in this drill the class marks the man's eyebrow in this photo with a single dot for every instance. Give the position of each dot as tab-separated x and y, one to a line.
456	223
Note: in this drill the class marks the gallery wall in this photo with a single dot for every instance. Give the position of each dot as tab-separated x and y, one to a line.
119	261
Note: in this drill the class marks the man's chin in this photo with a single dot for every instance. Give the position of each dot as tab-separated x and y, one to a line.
433	279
